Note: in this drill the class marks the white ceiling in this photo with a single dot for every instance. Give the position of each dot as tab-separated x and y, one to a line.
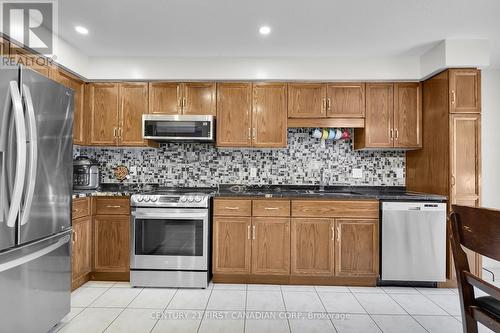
229	28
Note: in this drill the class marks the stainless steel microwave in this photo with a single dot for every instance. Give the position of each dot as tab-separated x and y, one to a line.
178	128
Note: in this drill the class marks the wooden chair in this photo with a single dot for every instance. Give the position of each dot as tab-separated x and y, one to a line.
477	229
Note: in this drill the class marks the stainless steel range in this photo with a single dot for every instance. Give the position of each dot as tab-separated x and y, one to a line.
170	238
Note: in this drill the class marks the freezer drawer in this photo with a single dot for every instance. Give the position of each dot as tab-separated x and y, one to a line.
413	241
35	283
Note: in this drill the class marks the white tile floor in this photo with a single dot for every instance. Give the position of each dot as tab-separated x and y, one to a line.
116	307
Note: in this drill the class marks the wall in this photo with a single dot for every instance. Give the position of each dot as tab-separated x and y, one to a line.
490	149
187	164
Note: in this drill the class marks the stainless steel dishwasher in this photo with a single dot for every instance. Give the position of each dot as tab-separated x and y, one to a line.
413	242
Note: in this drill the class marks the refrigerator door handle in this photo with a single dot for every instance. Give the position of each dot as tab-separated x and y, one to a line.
32	140
20	126
33	256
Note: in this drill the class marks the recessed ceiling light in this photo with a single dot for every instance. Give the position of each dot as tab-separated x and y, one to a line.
265	30
82	30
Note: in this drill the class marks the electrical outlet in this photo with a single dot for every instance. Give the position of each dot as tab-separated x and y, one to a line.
253	172
357	173
400	173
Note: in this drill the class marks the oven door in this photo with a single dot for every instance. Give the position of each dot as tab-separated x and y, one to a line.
169	239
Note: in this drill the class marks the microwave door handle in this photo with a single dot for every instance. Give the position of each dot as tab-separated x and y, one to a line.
33	154
20	125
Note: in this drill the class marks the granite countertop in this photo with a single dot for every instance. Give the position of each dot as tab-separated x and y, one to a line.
280	191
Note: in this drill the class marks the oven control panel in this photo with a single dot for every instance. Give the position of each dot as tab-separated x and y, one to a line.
184	200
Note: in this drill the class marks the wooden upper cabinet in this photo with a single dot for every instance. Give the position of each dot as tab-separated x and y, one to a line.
306	100
234	114
346	100
407	115
165	98
231	245
269	115
102	103
379	115
36	62
111	243
79	122
4	47
465	160
465	90
356	247
312	246
199	98
133	104
270	245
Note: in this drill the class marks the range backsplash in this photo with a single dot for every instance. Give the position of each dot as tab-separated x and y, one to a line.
195	164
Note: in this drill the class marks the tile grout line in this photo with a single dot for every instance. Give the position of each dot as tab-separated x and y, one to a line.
430	299
369	315
123	309
163	311
407	311
324	307
206	306
245	310
286	311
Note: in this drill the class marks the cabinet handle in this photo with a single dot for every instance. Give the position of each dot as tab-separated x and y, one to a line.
323	106
74	236
391	134
333	233
249	133
452	180
248	232
453	97
254	133
113	206
120	132
115	130
271	208
328	104
338	234
397	134
184	102
253	232
232	208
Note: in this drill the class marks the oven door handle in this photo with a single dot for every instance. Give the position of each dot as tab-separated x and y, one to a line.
171	215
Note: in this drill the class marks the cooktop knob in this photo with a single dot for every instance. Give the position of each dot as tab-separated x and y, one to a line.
190	199
183	199
154	199
147	198
198	199
140	198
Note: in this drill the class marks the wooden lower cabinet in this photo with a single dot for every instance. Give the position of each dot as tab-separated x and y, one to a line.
111	243
271	245
81	258
231	245
312	246
356	247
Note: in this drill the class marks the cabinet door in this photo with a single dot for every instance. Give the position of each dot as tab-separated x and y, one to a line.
312	246
4	47
70	81
111	243
270	246
379	115
199	99
465	149
133	104
234	109
306	100
465	91
269	115
231	245
407	115
165	98
81	255
102	101
346	100
356	248
35	62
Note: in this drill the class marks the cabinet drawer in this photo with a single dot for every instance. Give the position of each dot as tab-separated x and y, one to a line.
330	208
112	206
230	207
271	208
80	208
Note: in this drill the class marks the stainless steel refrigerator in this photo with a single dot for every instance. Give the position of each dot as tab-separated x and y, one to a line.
36	120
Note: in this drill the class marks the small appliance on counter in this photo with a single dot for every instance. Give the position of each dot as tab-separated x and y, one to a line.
85	174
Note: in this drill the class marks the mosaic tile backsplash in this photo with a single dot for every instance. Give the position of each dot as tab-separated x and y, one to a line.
304	162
